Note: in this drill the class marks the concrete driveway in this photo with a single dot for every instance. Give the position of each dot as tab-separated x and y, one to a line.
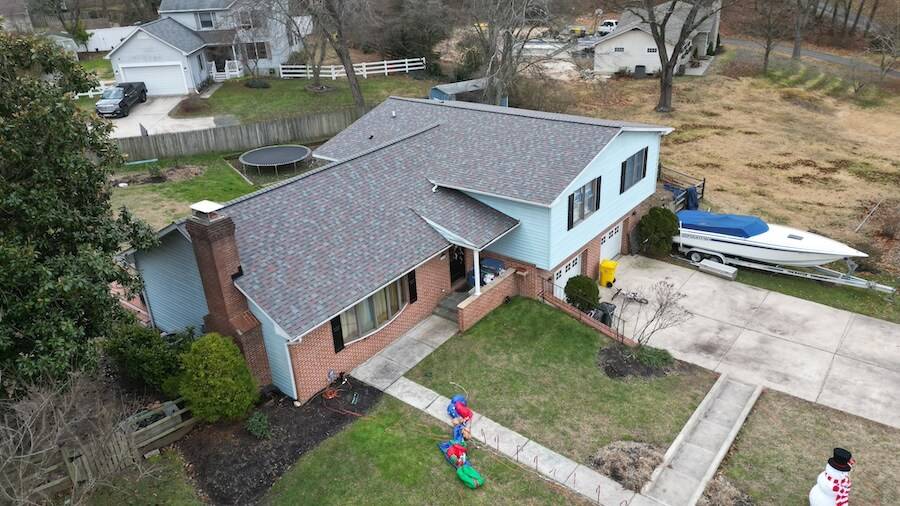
154	116
840	359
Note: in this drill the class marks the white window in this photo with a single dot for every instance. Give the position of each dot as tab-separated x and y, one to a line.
583	202
206	20
633	170
619	49
651	50
245	19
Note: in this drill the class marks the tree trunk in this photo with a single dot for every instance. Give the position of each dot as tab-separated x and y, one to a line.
798	31
821	12
847	9
766	54
340	47
862	3
834	13
871	16
666	78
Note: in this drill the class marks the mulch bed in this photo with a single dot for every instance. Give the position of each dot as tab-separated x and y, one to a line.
233	467
630	463
617	361
181	173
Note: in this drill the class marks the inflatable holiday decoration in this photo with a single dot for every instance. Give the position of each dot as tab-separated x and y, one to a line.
832	488
456	450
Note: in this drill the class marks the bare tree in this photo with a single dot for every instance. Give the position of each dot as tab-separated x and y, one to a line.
333	18
662	311
662	20
502	28
869	19
887	47
770	23
67	12
804	9
45	420
862	3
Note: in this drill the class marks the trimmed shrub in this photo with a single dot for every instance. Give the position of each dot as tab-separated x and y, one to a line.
193	105
257	83
145	356
656	230
656	358
258	425
216	382
582	292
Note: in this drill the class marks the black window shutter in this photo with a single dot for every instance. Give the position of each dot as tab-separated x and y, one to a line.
411	282
644	168
571	209
622	179
597	194
337	335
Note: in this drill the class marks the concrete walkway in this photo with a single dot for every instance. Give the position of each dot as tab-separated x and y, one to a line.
695	455
837	358
385	371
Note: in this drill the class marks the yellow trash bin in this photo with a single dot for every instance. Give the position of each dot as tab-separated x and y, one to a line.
608	272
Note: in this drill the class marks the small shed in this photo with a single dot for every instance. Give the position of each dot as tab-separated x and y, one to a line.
463	91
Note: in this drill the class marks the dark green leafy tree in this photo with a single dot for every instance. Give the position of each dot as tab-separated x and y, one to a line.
582	292
656	230
58	234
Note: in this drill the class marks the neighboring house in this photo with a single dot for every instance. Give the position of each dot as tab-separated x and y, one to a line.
630	48
65	42
197	40
464	91
106	39
15	16
314	275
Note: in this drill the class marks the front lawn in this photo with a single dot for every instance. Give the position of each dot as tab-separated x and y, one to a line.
161	203
99	66
534	369
785	442
289	97
391	457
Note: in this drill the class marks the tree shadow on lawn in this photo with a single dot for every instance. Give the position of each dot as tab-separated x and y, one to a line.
233	467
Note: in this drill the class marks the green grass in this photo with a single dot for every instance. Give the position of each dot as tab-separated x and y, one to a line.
815	78
533	369
289	97
161	203
785	442
857	300
164	482
99	66
391	457
86	103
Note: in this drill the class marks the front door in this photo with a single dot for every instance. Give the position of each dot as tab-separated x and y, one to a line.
457	263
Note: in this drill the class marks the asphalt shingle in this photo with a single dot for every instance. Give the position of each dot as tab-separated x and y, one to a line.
194	5
175	33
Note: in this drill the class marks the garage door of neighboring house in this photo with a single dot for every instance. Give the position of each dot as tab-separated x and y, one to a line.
161	79
611	243
571	269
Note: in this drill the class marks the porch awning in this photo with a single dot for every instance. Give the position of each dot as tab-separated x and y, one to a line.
218	37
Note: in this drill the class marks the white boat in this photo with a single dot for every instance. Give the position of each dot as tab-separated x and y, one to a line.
703	234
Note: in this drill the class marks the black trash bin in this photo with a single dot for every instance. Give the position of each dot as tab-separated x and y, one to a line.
607	310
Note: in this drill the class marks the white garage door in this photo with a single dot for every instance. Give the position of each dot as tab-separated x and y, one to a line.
611	243
562	276
160	79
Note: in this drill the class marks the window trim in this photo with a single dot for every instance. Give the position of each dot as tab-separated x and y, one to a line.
212	21
255	46
596	185
404	299
248	25
645	152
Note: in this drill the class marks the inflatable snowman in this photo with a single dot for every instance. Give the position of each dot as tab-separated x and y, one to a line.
832	488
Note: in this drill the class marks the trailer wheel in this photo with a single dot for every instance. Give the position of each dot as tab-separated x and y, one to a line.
695	257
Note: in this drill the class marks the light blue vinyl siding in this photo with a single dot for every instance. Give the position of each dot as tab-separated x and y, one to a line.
613	206
172	284
276	350
529	241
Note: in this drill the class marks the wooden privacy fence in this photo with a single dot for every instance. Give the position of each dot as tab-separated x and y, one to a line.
379	68
147	431
306	128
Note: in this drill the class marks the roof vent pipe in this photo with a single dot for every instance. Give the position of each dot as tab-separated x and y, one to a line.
393	114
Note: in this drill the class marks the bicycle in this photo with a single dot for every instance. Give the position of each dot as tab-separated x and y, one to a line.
630	296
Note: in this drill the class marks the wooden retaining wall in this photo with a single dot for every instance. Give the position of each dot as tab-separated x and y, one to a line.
302	129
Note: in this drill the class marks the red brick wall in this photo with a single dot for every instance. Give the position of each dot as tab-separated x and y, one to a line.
583	318
492	295
314	356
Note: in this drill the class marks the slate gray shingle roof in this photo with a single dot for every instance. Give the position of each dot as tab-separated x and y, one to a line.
632	21
175	33
194	5
217	37
318	243
512	153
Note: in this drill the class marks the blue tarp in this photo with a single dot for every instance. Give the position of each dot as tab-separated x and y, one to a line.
727	224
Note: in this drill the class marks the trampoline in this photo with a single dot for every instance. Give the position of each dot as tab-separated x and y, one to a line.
285	155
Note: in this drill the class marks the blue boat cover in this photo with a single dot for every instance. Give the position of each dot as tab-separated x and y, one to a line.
728	224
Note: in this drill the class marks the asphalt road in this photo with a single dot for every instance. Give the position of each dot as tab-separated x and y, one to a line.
809	53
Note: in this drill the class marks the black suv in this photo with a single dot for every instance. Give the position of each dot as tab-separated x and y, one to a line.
117	102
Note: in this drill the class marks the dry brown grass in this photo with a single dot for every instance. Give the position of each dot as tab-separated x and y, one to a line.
791	155
721	492
628	462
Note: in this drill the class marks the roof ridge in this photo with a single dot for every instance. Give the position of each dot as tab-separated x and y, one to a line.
529	113
361	154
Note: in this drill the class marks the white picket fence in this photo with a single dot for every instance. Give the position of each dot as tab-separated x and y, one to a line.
94	92
380	68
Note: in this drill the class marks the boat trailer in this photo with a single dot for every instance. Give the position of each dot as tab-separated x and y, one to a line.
816	273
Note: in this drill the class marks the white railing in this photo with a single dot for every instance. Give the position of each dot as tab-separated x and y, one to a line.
379	68
93	92
233	69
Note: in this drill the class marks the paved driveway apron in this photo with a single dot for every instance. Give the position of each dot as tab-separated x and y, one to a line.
154	116
840	359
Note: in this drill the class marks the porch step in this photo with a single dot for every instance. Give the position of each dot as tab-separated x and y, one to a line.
696	453
446	308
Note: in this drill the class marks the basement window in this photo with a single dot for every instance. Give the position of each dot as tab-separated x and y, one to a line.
652	49
619	49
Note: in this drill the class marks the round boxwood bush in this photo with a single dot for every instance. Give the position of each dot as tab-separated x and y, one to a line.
656	230
216	381
257	83
582	292
258	425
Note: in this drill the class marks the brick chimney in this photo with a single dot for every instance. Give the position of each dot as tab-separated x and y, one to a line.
219	263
